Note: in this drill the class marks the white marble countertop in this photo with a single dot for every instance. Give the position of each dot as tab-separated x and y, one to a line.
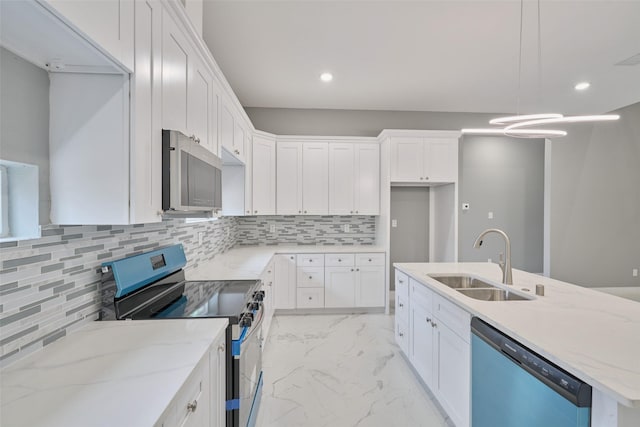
248	262
594	336
122	373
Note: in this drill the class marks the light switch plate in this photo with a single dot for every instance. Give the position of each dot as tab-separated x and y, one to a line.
272	228
634	272
490	215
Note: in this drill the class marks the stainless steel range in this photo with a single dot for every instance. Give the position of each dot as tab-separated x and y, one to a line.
153	286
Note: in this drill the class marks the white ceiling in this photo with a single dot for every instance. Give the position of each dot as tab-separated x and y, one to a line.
427	55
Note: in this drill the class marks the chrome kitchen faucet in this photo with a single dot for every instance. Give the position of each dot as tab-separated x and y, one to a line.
507	278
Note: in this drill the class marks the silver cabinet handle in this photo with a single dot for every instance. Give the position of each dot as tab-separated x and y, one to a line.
401	334
192	406
434	324
400	304
237	152
428	320
221	348
198	140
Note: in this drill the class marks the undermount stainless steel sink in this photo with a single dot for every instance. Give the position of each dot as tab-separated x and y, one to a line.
477	289
461	282
494	294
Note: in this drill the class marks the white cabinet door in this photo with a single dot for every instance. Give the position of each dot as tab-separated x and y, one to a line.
268	278
370	286
108	23
402	336
341	178
227	126
453	373
339	287
264	176
315	178
407	159
196	391
289	178
421	342
285	281
441	159
175	76
146	115
217	363
199	103
367	179
238	140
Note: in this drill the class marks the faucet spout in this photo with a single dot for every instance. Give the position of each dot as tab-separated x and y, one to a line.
507	276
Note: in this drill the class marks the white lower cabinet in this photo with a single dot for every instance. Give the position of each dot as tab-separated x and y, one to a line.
340	287
437	343
310	298
268	279
201	400
284	293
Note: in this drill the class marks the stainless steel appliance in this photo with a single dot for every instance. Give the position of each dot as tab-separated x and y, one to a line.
153	286
513	386
191	175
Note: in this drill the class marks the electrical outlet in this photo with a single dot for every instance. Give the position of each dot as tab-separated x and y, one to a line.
200	237
346	228
272	228
489	260
634	272
490	215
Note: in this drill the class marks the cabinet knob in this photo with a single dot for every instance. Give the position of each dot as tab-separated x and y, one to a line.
311	260
421	178
299	211
401	334
434	325
305	211
369	259
428	320
426	178
192	406
400	281
255	211
339	260
197	140
221	348
291	257
310	298
400	304
310	277
357	269
237	152
269	271
352	269
356	211
248	211
351	211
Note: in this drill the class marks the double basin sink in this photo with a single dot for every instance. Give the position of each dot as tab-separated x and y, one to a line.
477	289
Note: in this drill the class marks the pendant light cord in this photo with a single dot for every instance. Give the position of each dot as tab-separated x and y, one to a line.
520	60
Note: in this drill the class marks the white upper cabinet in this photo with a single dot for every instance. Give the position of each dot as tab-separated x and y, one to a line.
238	140
200	109
146	118
195	11
288	178
108	23
175	76
354	178
226	127
315	178
264	176
426	160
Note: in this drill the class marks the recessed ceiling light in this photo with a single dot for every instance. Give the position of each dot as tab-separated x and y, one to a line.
326	77
582	86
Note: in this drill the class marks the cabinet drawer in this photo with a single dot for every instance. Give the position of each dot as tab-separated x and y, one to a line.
310	298
369	259
402	337
310	260
339	260
419	294
457	319
191	402
310	277
402	308
402	284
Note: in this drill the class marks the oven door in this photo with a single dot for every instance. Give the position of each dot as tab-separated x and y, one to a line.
251	371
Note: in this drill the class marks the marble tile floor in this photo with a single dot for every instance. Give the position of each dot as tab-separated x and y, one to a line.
341	371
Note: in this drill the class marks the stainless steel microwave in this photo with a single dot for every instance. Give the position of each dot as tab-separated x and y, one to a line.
191	175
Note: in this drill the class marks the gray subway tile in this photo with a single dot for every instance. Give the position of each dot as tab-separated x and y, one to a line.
79	308
52	232
88	249
72	269
16	262
8	245
42	301
50	285
64	287
14	290
19	334
8	286
19	315
54	336
104	227
105	255
52	267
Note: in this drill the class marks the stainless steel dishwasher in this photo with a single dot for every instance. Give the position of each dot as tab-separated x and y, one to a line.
511	386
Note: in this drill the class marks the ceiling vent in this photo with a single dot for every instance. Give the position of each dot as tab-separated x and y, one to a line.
633	60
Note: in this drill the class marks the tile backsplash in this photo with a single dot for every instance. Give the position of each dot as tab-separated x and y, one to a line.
49	286
307	230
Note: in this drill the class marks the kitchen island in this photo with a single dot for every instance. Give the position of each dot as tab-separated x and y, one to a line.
592	335
119	373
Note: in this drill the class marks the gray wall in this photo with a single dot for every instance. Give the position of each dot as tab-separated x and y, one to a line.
286	121
24	119
595	202
504	176
410	239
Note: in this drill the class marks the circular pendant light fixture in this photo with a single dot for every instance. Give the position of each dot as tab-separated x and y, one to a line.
518	126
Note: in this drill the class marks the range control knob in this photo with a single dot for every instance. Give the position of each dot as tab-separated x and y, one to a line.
253	306
246	320
258	296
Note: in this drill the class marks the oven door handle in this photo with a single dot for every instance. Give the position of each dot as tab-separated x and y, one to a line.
246	333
